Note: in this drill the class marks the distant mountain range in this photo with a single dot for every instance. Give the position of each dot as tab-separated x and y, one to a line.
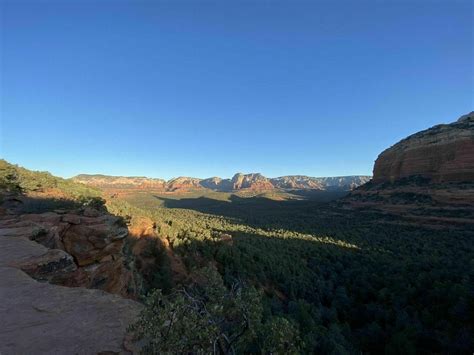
238	182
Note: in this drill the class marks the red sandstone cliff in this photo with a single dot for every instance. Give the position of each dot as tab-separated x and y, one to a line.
427	178
443	153
254	181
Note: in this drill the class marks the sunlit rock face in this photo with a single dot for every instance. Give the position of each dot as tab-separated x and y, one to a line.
120	182
253	181
183	183
443	153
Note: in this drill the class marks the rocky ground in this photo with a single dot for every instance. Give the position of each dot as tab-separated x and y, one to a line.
39	253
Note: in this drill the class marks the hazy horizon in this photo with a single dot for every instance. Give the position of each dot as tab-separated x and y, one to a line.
216	176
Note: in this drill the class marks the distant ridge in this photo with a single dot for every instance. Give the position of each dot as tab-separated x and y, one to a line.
253	181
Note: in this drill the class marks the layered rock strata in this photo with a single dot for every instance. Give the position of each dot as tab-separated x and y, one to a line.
41	252
443	153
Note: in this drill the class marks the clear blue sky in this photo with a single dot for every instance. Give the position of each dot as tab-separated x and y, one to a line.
204	88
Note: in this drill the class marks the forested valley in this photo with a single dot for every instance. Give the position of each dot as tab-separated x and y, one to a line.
233	273
343	281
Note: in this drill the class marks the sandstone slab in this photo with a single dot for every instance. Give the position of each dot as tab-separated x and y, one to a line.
40	318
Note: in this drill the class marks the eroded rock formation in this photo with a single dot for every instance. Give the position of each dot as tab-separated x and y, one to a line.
183	183
40	253
150	252
427	178
443	153
121	182
254	181
251	181
88	249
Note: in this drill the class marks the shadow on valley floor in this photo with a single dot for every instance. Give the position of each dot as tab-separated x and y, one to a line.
318	195
302	216
396	279
239	207
361	285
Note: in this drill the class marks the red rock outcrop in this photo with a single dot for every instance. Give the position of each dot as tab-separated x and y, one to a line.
148	247
255	181
216	183
85	251
427	178
443	153
251	181
40	253
183	183
344	183
121	182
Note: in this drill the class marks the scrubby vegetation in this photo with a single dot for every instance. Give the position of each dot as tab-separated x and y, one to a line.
61	193
348	282
208	317
16	178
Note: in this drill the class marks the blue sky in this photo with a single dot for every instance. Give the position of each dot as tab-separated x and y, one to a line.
205	88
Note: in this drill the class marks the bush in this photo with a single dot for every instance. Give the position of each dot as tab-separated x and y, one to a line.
209	318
